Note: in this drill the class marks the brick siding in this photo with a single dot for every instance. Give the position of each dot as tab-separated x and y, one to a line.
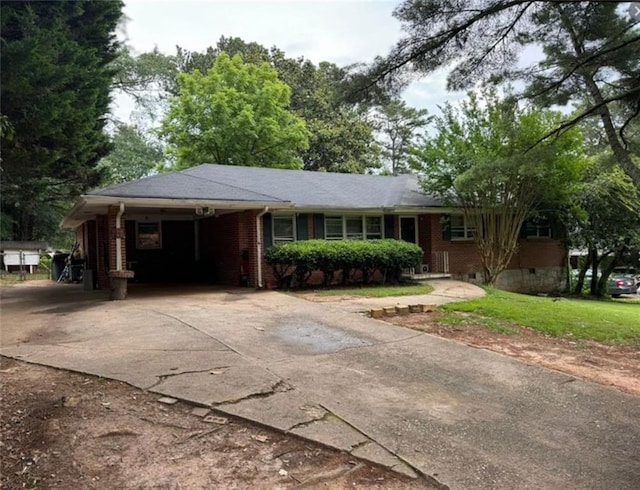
222	241
224	238
464	257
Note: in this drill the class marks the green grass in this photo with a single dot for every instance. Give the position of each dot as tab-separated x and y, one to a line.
581	319
378	291
8	279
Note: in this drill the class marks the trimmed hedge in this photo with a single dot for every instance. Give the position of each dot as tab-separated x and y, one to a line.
294	262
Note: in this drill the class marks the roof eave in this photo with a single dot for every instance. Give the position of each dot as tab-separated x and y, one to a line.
69	221
73	219
183	202
374	210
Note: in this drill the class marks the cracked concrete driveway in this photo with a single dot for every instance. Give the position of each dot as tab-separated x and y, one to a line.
466	417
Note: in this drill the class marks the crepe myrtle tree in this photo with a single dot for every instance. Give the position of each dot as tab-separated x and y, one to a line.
480	160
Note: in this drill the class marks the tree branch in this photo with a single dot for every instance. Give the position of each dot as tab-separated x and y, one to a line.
627	122
567	124
582	63
443	38
509	29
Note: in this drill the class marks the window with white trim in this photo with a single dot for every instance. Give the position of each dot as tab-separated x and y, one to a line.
460	228
333	228
284	228
539	228
373	227
353	227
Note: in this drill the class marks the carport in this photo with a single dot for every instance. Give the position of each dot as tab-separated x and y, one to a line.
145	232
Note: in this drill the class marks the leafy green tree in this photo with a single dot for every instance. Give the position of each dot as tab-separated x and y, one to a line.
344	143
148	79
478	160
236	114
591	55
251	52
397	126
605	222
341	136
134	156
55	84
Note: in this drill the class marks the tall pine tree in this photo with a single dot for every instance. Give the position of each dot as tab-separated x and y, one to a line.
591	56
55	87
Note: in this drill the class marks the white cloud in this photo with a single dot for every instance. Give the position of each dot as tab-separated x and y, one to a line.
339	31
431	92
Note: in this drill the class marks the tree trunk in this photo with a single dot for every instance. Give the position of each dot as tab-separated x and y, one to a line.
621	155
583	271
595	263
606	272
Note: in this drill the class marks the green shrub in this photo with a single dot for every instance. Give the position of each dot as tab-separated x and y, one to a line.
294	262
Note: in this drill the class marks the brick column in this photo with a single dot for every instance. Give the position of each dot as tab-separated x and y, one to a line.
118	278
113	234
252	246
246	241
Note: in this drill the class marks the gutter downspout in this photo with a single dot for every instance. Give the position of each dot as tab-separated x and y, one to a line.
259	244
118	239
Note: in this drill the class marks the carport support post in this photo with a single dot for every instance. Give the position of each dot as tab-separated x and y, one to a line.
259	235
119	284
118	277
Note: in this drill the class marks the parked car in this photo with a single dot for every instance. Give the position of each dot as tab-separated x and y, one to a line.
627	271
623	280
622	285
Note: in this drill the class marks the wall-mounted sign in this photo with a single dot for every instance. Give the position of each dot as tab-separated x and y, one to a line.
148	235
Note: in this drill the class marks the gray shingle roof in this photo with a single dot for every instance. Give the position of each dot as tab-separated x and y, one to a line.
179	185
321	190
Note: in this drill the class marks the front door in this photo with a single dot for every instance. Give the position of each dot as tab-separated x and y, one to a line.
408	229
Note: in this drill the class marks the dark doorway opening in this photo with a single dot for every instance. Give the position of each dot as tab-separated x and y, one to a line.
408	229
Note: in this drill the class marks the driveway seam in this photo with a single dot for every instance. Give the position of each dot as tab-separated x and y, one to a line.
198	330
370	438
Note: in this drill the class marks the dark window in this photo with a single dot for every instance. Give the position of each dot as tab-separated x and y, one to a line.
540	228
283	229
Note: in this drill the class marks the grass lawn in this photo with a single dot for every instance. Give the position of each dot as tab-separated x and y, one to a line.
377	291
8	279
604	321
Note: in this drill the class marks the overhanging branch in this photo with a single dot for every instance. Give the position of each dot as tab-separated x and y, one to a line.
572	122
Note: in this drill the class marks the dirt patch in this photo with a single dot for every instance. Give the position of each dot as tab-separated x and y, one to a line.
65	430
323	298
617	366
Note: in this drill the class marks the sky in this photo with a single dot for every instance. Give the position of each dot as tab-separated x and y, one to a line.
338	31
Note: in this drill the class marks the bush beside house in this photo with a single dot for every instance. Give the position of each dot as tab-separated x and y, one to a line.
294	263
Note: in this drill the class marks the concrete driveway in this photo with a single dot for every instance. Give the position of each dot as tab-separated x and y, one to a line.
463	416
